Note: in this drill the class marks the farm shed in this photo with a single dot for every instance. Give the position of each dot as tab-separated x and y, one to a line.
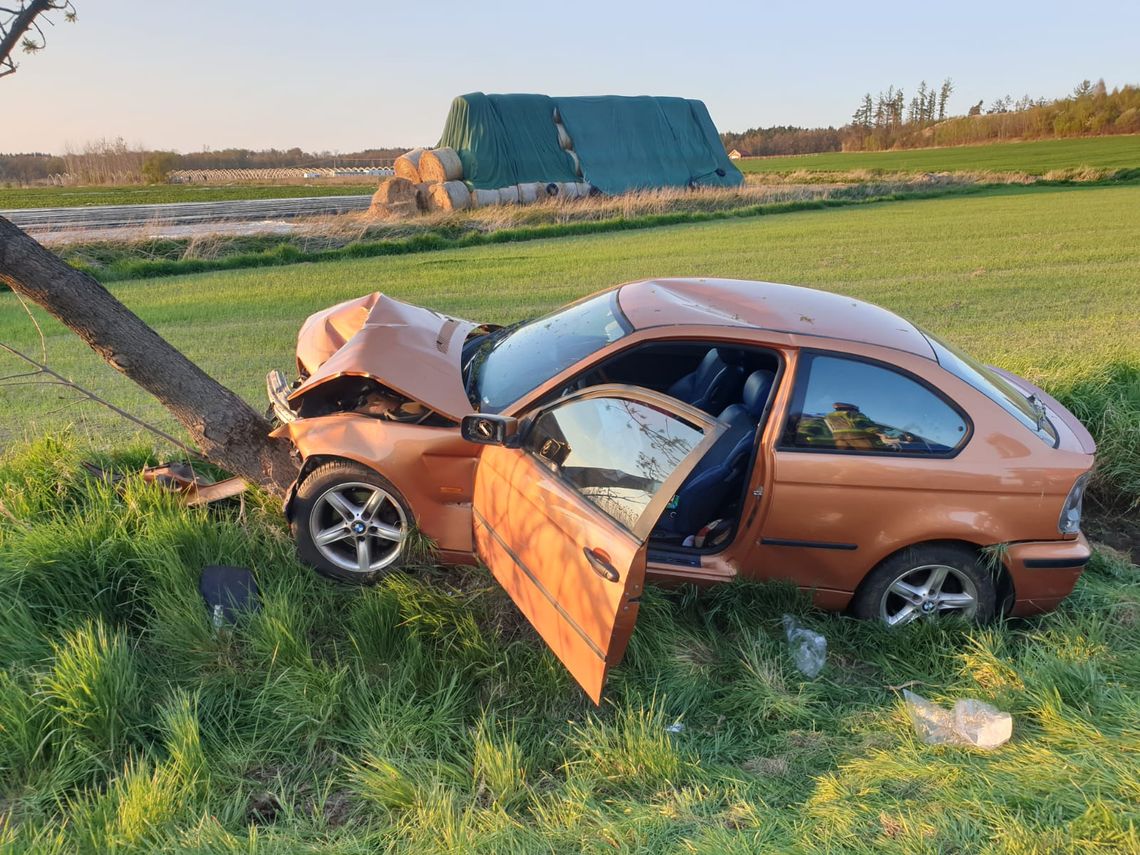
616	143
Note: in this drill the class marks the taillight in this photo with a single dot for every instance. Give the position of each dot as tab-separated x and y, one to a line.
1070	521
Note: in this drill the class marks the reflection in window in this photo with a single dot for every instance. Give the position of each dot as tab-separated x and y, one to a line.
847	405
613	451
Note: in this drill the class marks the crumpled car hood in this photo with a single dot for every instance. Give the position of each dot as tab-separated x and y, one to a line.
411	350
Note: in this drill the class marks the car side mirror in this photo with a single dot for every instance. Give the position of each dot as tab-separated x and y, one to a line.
489	430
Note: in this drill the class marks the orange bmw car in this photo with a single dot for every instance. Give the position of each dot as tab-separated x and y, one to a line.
683	430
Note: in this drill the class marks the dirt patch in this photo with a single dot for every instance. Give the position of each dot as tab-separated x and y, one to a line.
1122	533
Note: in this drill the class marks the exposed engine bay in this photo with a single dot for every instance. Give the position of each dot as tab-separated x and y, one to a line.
347	394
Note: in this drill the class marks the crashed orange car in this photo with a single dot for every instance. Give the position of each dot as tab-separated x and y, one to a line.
682	430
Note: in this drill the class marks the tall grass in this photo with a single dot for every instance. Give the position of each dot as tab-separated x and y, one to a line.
424	715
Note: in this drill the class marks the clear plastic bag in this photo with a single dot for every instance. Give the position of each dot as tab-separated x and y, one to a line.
971	722
808	649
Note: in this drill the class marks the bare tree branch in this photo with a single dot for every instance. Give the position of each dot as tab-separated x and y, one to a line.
21	21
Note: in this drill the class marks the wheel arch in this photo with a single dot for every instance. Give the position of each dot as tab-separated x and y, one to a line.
1003	581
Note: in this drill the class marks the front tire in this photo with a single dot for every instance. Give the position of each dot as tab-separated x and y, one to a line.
927	582
350	523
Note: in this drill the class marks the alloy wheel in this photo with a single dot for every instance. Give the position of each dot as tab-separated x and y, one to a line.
358	527
926	592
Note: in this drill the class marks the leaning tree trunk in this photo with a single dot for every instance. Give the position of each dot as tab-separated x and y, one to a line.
226	429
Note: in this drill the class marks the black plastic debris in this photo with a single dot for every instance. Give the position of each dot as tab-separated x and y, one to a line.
228	592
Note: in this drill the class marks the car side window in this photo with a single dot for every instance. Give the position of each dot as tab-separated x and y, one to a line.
850	405
615	452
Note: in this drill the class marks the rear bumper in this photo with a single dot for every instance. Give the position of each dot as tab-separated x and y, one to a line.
1044	572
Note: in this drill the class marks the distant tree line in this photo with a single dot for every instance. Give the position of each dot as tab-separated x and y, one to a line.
114	162
892	120
783	139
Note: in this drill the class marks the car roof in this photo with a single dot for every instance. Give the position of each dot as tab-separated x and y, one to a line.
768	306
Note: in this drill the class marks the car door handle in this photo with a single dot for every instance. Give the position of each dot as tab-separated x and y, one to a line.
601	565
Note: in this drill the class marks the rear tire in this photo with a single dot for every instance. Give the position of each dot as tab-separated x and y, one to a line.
927	582
350	523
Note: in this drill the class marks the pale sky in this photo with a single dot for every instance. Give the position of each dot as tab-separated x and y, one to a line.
353	74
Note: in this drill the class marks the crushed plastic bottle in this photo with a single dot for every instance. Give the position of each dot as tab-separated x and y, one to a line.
808	649
971	722
676	727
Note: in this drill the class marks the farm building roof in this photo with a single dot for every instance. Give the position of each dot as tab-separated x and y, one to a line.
621	143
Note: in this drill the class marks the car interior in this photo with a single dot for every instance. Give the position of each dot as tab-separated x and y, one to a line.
730	383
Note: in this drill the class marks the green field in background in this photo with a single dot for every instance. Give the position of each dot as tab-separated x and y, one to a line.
1032	158
1044	281
159	194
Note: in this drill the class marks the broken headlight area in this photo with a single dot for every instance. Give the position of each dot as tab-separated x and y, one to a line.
361	395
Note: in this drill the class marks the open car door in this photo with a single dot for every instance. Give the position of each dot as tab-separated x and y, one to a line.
562	518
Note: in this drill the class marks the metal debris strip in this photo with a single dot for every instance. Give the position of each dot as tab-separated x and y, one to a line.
195	488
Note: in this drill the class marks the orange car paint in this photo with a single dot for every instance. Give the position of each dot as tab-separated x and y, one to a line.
821	520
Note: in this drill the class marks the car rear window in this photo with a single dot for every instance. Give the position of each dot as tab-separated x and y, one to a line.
993	386
852	405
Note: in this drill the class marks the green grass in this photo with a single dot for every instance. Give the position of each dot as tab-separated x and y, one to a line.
1043	281
73	197
1032	158
424	716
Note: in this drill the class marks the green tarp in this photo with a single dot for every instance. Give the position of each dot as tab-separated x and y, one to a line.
623	143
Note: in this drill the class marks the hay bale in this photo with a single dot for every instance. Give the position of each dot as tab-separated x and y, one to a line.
550	188
568	189
585	190
529	192
423	196
440	164
564	137
483	198
509	195
407	165
449	196
395	196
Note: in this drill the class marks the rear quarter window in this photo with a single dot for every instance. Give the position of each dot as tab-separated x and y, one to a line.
850	405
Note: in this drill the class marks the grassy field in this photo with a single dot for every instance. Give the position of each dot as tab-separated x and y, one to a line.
74	197
1032	158
1042	281
424	716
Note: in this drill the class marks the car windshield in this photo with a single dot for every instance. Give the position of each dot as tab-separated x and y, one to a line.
1029	411
512	361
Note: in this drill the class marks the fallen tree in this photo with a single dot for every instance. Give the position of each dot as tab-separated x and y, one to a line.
227	431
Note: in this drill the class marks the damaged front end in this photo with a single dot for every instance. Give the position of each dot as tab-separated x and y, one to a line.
381	384
346	394
378	357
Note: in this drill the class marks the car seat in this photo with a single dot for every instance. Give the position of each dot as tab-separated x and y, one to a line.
715	382
719	472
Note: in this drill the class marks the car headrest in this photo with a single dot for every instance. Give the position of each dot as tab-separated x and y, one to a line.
729	355
756	389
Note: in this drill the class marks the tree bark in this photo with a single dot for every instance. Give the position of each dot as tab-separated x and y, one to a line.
225	428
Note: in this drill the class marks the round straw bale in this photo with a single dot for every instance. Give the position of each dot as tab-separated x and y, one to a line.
440	164
449	196
407	165
395	195
584	190
568	190
509	195
529	192
564	137
551	188
423	196
483	198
